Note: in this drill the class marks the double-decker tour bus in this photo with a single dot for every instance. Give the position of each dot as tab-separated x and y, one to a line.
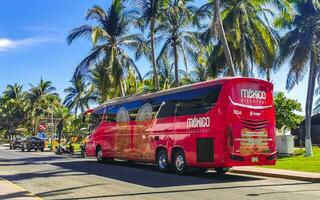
214	124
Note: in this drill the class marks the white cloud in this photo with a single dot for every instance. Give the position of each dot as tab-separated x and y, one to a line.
7	44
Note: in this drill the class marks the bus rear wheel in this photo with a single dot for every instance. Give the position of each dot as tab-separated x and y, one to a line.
163	161
179	163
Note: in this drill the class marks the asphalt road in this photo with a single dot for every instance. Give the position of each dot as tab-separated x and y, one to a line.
56	177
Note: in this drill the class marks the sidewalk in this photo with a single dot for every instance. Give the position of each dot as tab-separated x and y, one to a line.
278	173
9	190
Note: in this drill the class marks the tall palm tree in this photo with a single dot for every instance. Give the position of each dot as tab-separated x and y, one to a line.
101	77
249	36
252	35
13	92
12	109
42	99
213	8
150	13
44	88
177	42
79	95
302	47
109	37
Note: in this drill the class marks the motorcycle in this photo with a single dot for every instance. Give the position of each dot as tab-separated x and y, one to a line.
65	150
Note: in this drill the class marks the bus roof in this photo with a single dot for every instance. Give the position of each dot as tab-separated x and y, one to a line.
131	98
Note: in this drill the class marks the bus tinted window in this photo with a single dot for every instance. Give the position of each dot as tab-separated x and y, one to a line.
111	114
167	109
96	118
203	101
196	101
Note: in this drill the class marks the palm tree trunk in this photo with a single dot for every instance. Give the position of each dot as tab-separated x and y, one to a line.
309	101
153	55
222	36
121	88
243	54
76	111
268	75
176	64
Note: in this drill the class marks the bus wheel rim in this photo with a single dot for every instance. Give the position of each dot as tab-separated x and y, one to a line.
180	162
162	161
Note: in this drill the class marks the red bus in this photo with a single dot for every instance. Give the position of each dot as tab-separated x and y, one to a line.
214	124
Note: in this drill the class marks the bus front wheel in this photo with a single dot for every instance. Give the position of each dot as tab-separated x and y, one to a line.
179	163
99	155
162	161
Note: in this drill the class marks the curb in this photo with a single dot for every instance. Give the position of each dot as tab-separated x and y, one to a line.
285	176
21	189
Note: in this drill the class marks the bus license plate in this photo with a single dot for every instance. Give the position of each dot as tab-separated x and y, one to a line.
255	159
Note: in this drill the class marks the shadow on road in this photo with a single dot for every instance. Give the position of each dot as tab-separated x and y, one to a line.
147	175
168	191
30	160
17	195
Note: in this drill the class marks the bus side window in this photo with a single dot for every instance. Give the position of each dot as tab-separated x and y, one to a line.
167	110
111	114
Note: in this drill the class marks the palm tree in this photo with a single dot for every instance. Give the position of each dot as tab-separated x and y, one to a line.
12	109
150	13
101	77
253	37
301	46
109	37
42	89
13	91
217	30
248	36
177	42
42	101
79	95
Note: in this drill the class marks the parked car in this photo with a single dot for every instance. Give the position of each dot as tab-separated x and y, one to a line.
17	143
33	143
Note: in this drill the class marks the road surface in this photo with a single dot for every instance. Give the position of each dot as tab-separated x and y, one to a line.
56	177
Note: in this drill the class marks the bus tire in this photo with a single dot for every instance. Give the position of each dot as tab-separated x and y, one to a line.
99	155
163	161
179	163
221	170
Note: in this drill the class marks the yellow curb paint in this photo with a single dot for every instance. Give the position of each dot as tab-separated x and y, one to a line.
20	189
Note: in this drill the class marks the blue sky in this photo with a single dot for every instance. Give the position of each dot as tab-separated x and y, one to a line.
33	44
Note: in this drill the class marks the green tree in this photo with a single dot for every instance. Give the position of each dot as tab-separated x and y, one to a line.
286	117
150	14
177	41
79	95
248	36
42	100
216	29
13	92
12	109
101	77
300	45
109	37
